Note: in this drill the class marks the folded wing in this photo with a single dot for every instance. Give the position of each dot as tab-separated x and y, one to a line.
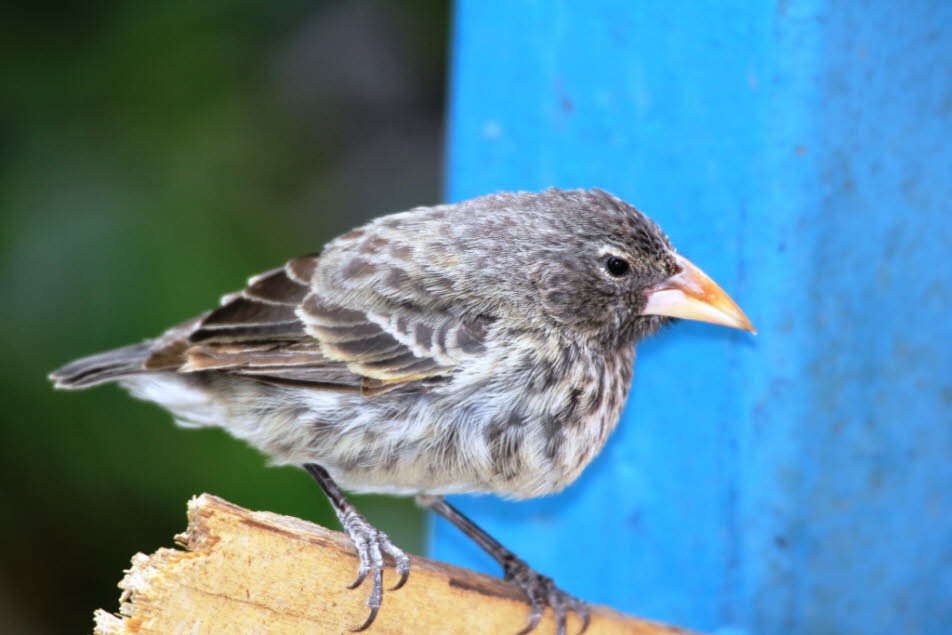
279	329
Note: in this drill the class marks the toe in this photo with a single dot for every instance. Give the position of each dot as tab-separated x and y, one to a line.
401	562
403	570
582	611
536	609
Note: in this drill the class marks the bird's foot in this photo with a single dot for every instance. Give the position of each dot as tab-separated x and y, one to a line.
542	592
371	545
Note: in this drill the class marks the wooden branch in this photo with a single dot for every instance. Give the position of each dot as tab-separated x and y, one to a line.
258	572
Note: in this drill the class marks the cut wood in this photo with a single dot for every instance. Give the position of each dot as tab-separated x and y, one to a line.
258	572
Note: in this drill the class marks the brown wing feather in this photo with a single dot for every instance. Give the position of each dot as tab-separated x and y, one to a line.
278	330
370	344
276	287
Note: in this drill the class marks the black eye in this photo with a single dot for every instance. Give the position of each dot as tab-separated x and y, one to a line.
616	267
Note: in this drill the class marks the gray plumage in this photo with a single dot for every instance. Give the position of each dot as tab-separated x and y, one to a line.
485	346
476	347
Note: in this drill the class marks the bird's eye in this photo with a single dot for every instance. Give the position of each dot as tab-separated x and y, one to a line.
616	267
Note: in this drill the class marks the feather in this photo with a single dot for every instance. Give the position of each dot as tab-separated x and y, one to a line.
279	329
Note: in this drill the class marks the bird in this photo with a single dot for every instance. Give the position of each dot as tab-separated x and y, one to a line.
485	346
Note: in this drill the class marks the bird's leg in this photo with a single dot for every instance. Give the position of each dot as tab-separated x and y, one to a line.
540	589
370	543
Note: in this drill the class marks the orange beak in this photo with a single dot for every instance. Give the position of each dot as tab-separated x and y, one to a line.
692	295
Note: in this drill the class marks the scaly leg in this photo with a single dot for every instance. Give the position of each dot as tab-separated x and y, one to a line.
540	589
370	543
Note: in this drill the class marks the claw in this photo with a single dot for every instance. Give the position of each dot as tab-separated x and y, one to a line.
586	618
560	619
402	565
369	621
361	576
404	572
533	622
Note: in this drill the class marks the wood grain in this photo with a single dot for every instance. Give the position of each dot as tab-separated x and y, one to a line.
258	572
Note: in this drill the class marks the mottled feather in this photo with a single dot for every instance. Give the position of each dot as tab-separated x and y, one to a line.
468	347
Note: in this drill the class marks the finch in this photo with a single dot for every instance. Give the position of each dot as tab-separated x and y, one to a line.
481	347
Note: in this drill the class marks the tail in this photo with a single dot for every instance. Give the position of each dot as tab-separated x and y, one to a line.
101	368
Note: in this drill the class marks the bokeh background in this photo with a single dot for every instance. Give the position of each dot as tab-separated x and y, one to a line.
152	156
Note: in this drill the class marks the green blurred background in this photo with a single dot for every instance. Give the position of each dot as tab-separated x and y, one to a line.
153	156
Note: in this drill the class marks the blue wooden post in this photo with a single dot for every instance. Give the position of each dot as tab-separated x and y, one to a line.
799	152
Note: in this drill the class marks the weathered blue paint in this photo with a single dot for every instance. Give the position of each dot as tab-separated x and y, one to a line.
799	152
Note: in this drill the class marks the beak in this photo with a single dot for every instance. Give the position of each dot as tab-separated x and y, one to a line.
691	295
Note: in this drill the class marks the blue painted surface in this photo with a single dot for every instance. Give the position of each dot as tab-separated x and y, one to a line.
799	152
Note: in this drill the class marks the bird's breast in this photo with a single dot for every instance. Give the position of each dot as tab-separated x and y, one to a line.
546	414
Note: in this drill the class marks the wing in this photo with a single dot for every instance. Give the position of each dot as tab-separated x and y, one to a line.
282	329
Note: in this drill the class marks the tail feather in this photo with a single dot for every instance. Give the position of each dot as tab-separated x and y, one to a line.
102	368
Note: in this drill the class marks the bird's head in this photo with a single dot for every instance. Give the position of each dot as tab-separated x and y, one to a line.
597	265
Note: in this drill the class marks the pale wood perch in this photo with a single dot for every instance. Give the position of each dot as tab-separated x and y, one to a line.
258	572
